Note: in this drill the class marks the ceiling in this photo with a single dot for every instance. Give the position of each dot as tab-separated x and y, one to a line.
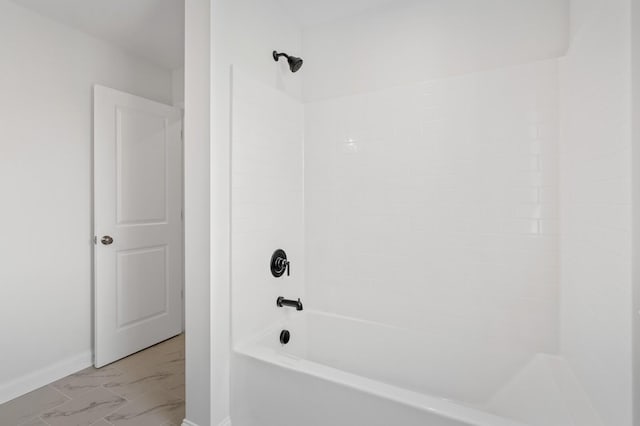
314	12
151	29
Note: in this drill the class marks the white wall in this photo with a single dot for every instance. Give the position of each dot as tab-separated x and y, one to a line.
413	40
389	134
177	87
595	164
266	203
431	174
46	76
244	33
198	261
433	207
635	65
250	30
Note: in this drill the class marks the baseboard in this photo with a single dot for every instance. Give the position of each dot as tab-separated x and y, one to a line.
225	422
44	376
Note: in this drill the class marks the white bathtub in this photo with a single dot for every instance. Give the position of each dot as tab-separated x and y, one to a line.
339	371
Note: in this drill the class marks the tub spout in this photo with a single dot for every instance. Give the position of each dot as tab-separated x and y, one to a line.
281	302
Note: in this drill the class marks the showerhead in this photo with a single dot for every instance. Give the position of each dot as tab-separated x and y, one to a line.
294	63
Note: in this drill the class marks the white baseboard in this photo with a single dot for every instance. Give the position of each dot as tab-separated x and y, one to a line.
44	376
225	422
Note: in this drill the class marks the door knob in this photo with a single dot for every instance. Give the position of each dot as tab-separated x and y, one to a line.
106	240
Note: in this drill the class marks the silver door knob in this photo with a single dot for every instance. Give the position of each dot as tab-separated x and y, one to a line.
106	240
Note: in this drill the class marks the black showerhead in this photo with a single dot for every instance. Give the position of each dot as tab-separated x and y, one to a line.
294	63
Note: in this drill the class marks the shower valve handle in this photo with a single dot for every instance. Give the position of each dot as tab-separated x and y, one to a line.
282	264
279	263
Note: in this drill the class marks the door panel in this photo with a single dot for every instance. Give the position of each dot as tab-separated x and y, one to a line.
141	285
141	167
138	204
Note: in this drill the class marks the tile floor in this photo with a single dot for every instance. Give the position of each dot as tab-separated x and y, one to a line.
145	389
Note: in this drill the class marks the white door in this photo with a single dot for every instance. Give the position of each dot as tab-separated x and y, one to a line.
137	223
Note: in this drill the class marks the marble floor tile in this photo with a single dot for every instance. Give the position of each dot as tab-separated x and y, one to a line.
171	361
176	378
171	345
145	389
166	356
132	385
152	409
175	385
85	409
135	362
173	423
88	379
25	408
35	422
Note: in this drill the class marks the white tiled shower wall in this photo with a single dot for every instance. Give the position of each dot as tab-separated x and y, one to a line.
431	205
424	138
243	35
595	165
267	202
434	207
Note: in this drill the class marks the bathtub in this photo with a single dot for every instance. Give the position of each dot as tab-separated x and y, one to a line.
341	371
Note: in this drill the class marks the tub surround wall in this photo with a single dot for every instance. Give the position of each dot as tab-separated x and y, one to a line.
441	191
267	203
244	33
433	201
437	191
595	201
436	206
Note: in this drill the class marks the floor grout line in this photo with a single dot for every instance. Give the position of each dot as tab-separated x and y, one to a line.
67	399
126	403
55	388
43	420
